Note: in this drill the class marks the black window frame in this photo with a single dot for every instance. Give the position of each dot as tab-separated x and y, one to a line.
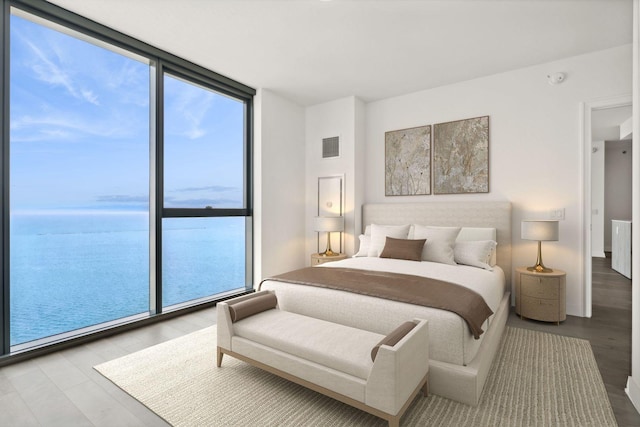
164	63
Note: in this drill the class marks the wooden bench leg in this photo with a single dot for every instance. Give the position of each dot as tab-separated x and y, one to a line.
219	357
425	388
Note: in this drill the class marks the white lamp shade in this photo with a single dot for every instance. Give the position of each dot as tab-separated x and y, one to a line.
328	224
540	230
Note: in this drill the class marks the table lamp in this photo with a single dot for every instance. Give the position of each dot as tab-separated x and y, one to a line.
540	230
328	225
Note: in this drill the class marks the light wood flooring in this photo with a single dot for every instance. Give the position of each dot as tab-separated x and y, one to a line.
62	389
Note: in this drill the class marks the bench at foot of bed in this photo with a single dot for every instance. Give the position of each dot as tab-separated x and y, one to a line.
374	373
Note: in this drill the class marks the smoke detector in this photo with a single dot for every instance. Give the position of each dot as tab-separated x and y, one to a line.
556	78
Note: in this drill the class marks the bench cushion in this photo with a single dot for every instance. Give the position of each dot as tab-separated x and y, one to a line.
340	347
393	338
250	306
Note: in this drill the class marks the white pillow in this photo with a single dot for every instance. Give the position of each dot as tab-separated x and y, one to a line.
440	242
479	233
379	235
494	258
476	253
365	243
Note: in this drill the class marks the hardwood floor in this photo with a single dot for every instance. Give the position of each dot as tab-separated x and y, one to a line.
608	331
63	389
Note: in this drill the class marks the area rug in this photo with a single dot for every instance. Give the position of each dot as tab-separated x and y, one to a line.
537	379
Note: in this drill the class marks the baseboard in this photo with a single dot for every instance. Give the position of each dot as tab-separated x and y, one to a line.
575	310
598	254
633	391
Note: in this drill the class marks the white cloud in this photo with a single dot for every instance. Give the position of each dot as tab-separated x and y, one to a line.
90	97
195	133
57	82
131	81
61	127
48	71
193	104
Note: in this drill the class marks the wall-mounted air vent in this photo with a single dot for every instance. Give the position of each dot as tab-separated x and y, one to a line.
330	147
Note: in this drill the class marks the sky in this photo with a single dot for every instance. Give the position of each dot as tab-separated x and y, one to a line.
79	130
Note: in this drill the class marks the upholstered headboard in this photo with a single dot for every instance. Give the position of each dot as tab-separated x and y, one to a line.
494	214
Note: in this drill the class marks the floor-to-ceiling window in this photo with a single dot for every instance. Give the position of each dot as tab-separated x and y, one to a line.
125	176
79	182
203	253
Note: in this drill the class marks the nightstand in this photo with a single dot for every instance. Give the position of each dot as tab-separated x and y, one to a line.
541	296
317	259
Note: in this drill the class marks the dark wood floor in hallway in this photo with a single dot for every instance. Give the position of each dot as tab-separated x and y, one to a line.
608	331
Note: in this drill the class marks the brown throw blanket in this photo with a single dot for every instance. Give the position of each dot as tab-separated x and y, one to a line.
398	287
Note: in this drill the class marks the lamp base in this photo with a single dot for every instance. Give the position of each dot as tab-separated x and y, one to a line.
539	268
328	252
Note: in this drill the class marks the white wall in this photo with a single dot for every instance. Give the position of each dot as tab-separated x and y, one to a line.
597	199
279	191
617	185
343	118
633	382
534	146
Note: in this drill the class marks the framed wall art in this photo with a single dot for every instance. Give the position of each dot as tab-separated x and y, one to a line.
461	156
408	162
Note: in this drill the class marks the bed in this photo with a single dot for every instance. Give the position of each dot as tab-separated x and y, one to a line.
459	363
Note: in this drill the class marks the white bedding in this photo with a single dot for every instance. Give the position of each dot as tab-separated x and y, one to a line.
449	336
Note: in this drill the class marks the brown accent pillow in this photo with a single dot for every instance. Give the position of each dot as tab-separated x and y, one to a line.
254	305
410	249
393	338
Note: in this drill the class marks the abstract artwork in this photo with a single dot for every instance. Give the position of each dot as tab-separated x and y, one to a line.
408	162
461	156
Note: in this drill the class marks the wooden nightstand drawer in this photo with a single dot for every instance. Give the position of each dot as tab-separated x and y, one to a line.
540	287
541	296
540	309
317	259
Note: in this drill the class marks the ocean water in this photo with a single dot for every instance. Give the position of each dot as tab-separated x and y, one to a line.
73	270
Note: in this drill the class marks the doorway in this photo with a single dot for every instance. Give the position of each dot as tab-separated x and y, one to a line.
601	128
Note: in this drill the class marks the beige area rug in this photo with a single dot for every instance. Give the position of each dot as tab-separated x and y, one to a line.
537	379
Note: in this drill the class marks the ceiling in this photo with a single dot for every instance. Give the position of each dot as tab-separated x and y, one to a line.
605	123
312	51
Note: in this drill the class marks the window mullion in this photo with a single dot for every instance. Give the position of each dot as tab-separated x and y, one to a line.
155	299
5	306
